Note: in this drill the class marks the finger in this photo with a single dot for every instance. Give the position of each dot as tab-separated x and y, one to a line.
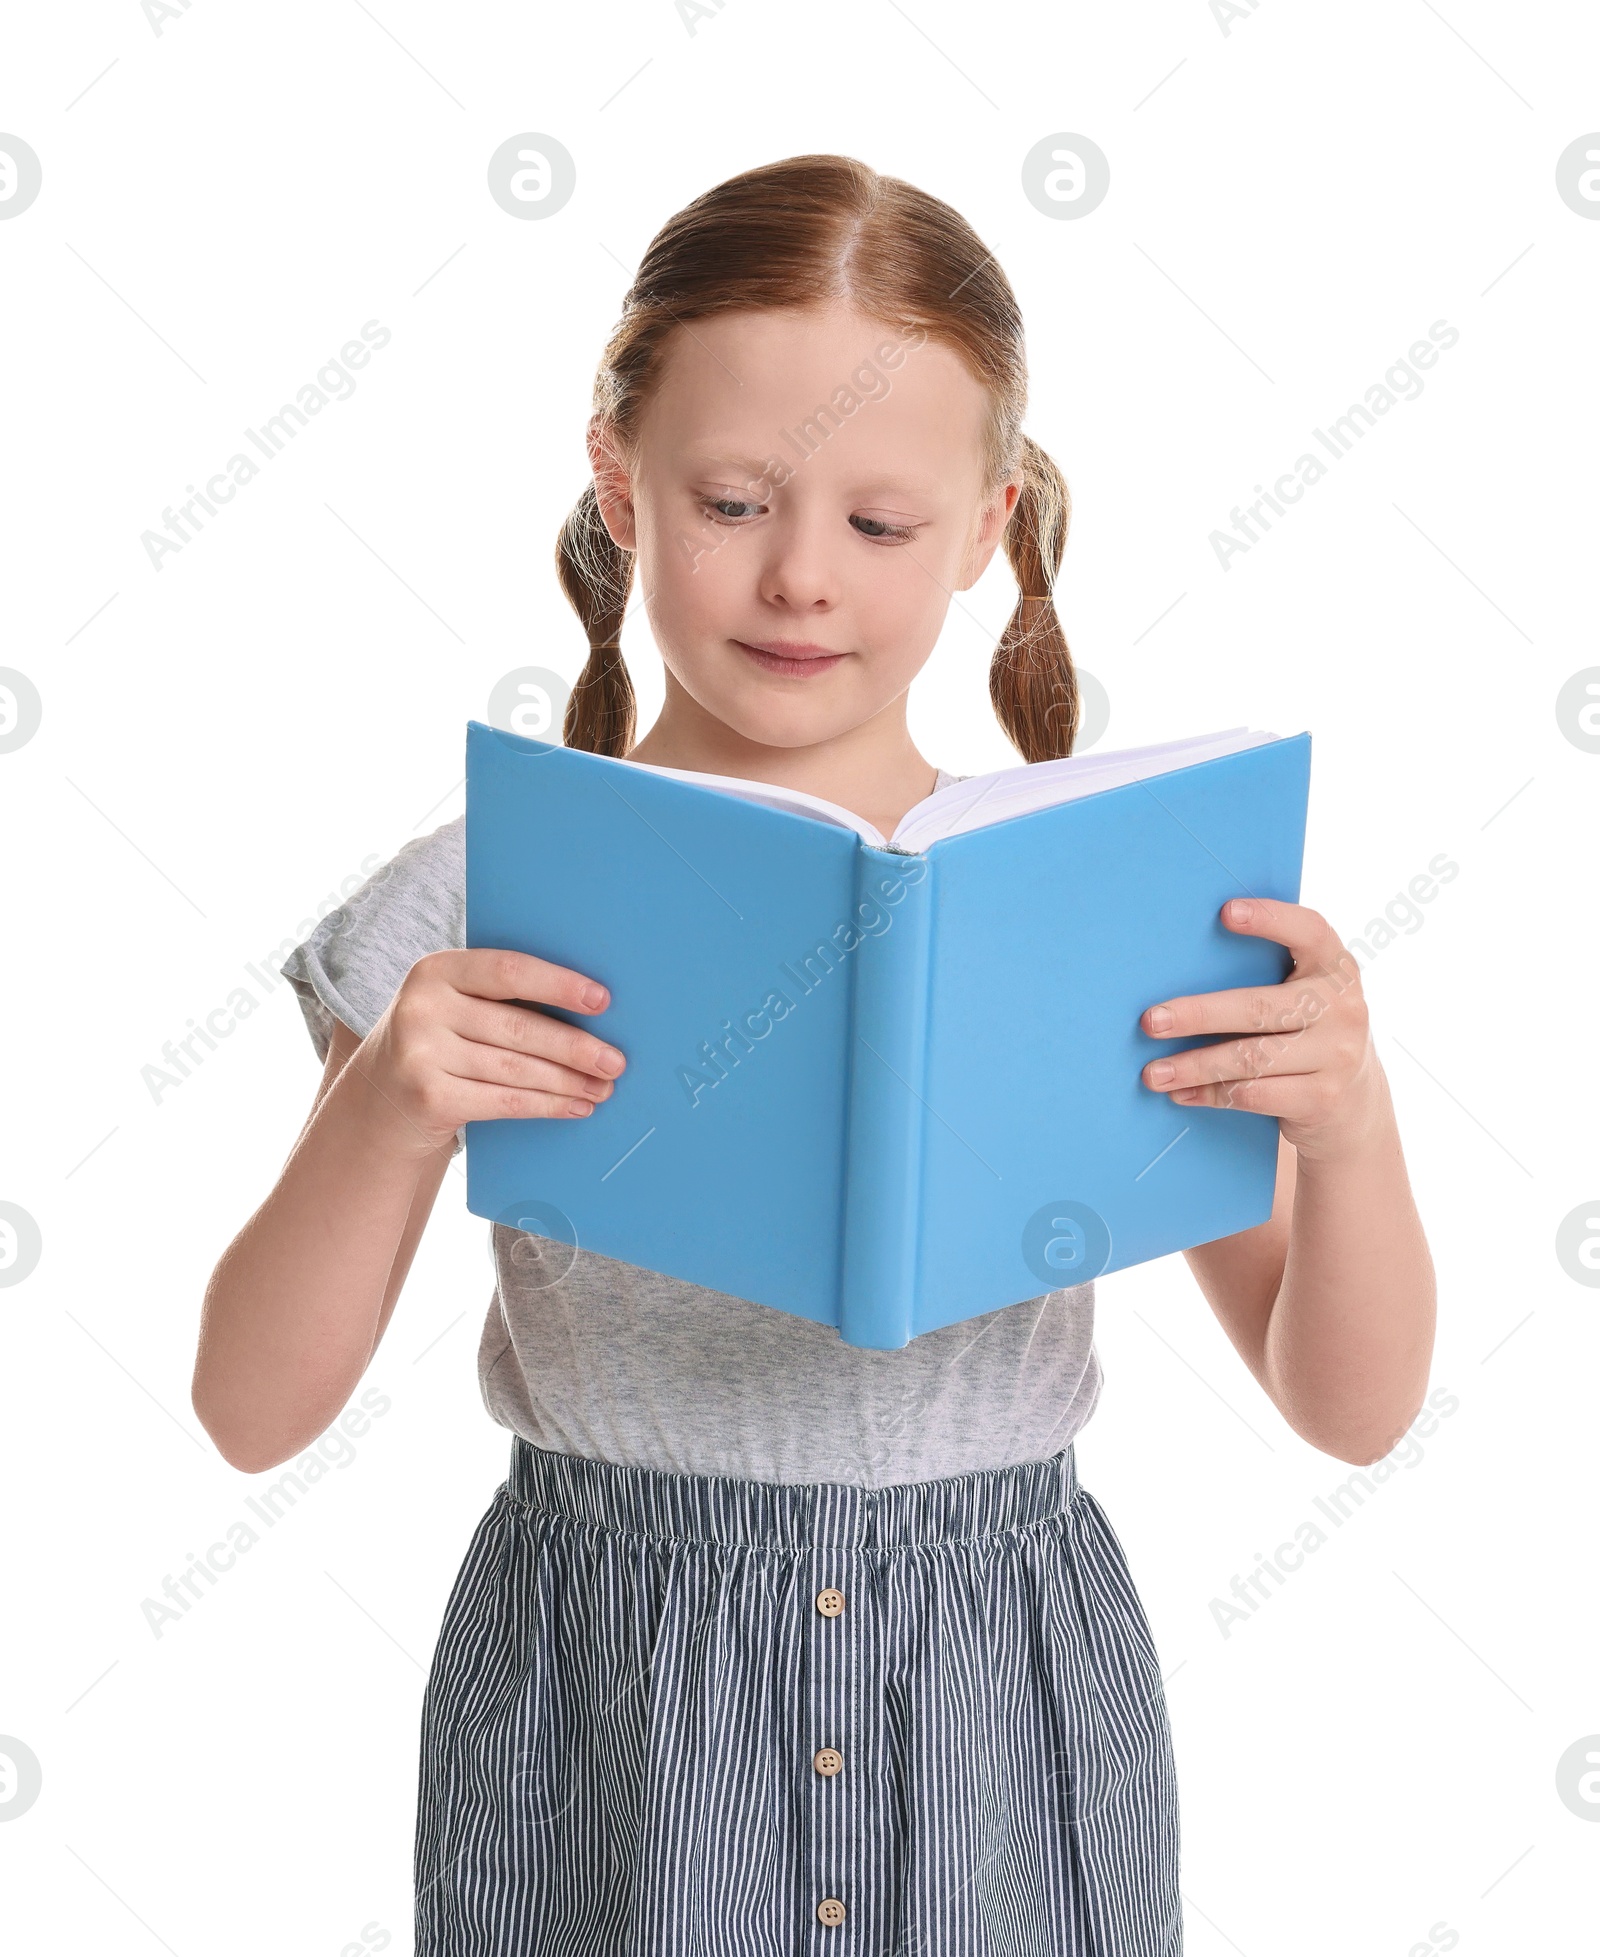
499	1066
1287	1096
491	974
1317	951
1301	929
1278	1054
524	1029
1287	1008
483	1101
1321	966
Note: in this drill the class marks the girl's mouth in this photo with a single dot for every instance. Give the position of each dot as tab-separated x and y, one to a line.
791	656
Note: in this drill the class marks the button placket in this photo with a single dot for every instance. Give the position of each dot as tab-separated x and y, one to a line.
833	1847
832	1734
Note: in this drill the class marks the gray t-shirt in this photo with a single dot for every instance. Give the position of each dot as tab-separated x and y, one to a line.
607	1360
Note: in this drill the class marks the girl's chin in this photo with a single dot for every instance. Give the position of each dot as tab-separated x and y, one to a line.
785	723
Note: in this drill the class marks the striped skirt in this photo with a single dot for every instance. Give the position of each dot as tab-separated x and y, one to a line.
677	1715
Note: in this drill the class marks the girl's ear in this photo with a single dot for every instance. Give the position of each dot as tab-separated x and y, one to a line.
612	488
992	521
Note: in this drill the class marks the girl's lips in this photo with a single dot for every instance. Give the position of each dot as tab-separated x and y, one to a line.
792	656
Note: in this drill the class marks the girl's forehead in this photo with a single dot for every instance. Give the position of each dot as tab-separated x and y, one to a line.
737	382
738	347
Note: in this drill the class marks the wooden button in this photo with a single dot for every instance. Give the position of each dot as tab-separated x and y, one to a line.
827	1760
830	1910
830	1602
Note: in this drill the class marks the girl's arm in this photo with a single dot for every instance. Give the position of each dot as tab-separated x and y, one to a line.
300	1298
1331	1302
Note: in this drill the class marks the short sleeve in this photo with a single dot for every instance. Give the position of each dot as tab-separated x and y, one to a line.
352	964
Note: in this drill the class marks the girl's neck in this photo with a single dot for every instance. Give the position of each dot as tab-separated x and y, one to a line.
874	770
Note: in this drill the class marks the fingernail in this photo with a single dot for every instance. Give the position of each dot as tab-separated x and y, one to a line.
580	1107
1162	1070
594	995
1242	910
1160	1019
609	1061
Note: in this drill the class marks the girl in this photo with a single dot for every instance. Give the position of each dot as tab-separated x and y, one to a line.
769	1643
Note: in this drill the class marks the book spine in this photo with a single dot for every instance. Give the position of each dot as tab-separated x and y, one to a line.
885	1108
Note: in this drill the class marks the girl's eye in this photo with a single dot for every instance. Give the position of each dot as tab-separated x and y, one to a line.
872	527
730	509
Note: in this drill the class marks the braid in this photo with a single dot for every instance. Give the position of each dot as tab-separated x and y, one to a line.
1032	684
596	575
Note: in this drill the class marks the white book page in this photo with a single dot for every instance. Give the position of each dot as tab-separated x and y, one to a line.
985	799
795	800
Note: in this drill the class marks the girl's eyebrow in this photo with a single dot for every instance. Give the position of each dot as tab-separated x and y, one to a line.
749	473
742	466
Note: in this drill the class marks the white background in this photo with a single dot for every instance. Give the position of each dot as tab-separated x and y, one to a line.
1368	1764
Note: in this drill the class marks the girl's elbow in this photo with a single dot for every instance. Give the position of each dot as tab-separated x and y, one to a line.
241	1446
1363	1443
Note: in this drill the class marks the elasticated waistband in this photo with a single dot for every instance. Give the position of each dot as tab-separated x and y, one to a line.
790	1515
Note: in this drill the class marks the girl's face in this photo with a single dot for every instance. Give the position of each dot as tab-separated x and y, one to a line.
805	494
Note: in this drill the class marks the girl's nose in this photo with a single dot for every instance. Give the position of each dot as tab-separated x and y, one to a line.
799	572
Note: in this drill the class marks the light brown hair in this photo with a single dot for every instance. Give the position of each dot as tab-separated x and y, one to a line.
799	233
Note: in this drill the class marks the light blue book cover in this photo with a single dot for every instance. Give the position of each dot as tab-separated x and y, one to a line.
884	1090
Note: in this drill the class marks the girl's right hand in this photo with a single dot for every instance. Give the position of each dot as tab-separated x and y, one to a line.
455	1046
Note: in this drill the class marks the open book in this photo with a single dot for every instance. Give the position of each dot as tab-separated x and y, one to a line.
887	1084
981	799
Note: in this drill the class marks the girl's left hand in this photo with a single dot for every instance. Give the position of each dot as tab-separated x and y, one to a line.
1309	1058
